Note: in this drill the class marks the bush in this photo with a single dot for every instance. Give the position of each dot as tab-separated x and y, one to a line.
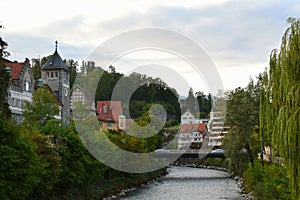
267	182
19	164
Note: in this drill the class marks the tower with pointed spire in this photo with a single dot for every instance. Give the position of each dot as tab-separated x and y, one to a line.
56	75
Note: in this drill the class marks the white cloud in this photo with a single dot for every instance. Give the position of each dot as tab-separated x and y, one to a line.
238	35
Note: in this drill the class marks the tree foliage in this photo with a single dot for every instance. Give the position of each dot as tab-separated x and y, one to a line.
44	106
37	64
268	182
20	167
148	91
205	104
281	103
72	66
242	143
4	83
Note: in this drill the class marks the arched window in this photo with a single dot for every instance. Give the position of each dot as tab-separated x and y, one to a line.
27	86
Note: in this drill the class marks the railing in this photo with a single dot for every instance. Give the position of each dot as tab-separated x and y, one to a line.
187	154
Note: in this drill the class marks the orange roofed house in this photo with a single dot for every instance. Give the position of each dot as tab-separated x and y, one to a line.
191	135
110	115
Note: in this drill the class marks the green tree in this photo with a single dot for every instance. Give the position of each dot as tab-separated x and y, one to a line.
36	68
205	104
72	66
50	161
44	107
281	104
87	67
4	83
20	167
242	143
37	64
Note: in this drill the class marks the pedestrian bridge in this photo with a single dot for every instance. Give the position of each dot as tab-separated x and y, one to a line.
187	154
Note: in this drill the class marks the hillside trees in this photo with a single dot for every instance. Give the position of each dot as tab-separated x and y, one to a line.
148	91
72	66
205	104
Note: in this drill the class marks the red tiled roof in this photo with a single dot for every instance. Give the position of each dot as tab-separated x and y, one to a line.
113	108
202	128
15	68
188	128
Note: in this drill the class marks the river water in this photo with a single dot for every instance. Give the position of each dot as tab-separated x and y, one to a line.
186	183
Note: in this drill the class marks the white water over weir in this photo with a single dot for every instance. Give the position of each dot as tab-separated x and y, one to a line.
185	183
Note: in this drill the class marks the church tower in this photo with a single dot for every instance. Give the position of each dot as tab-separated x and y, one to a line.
56	75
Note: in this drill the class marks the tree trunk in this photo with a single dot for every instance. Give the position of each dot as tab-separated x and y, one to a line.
250	154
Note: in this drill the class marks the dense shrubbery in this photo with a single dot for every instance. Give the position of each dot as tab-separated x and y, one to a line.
267	182
20	166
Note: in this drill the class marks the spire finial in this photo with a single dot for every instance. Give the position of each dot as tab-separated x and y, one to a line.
56	45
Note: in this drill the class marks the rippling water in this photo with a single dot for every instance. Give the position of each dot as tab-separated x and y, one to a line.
188	183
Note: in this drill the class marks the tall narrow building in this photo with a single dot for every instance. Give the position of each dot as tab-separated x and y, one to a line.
56	75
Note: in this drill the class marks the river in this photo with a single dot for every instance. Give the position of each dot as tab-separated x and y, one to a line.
184	183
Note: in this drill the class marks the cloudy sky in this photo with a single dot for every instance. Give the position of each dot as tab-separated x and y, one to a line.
237	35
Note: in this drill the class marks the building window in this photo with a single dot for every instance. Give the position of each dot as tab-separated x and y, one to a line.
48	75
66	91
13	102
52	75
19	103
27	86
105	109
56	74
109	124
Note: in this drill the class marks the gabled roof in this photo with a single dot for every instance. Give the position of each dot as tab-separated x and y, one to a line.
113	110
188	128
202	128
188	112
15	68
55	62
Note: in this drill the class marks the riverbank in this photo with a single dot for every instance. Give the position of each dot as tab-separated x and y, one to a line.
122	188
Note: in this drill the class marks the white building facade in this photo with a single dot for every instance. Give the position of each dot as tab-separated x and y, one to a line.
217	129
191	134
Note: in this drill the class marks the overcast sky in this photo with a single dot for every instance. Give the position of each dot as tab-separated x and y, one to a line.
237	35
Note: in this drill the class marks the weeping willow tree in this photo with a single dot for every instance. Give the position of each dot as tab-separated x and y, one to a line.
280	104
